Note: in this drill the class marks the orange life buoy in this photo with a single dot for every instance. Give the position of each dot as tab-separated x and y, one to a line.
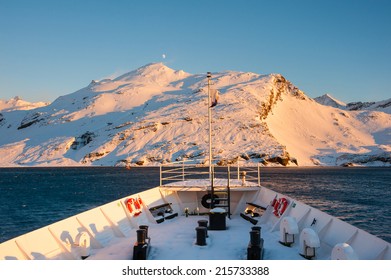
129	204
276	205
274	201
134	206
137	204
280	206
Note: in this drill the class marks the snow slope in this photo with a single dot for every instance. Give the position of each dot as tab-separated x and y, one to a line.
155	114
324	135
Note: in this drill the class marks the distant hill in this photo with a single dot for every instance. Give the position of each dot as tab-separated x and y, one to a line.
328	100
17	103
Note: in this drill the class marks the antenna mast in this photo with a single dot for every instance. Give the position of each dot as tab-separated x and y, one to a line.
209	75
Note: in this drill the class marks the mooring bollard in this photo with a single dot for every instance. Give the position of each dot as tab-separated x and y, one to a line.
142	245
204	223
201	236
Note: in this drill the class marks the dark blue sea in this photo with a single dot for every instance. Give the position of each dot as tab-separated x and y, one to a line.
34	197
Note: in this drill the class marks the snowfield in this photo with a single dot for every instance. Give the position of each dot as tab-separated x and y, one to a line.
155	114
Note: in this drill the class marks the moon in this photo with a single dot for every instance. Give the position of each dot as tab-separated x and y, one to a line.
164	56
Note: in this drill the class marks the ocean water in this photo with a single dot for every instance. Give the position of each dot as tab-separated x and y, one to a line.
31	198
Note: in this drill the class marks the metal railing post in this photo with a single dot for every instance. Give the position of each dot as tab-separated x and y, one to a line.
183	170
229	175
238	171
229	192
212	189
161	176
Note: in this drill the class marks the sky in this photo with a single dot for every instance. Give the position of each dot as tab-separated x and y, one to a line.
53	48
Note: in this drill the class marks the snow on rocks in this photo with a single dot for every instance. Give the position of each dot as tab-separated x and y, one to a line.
155	114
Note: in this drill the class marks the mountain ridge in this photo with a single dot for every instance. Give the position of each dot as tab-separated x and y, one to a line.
328	100
18	103
155	115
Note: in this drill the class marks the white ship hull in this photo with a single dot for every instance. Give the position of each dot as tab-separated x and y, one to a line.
290	230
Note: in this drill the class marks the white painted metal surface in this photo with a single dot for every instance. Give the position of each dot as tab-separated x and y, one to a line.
109	231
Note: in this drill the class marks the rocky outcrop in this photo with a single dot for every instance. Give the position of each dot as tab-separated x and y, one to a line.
281	86
90	157
82	140
348	160
355	106
31	119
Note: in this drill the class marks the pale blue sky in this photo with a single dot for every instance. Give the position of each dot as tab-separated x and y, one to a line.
52	48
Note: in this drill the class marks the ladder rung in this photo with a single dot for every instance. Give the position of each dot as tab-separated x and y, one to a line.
223	200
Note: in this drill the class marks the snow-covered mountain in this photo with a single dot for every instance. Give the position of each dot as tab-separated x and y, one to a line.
382	106
328	100
155	114
17	103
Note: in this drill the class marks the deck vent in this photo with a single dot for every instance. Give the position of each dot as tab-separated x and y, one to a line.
288	229
309	241
217	219
343	251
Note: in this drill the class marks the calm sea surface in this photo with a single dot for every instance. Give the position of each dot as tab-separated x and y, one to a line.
34	197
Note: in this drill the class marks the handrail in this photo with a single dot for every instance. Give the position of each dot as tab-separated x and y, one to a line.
185	170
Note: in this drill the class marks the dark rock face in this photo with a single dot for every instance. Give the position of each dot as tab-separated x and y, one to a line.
83	140
93	156
31	119
385	105
354	106
281	160
348	160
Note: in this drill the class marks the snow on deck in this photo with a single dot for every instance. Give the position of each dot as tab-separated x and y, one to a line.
175	240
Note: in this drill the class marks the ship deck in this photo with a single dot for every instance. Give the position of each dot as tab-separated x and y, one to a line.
176	240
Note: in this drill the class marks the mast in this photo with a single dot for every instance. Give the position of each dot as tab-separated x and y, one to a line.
209	75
